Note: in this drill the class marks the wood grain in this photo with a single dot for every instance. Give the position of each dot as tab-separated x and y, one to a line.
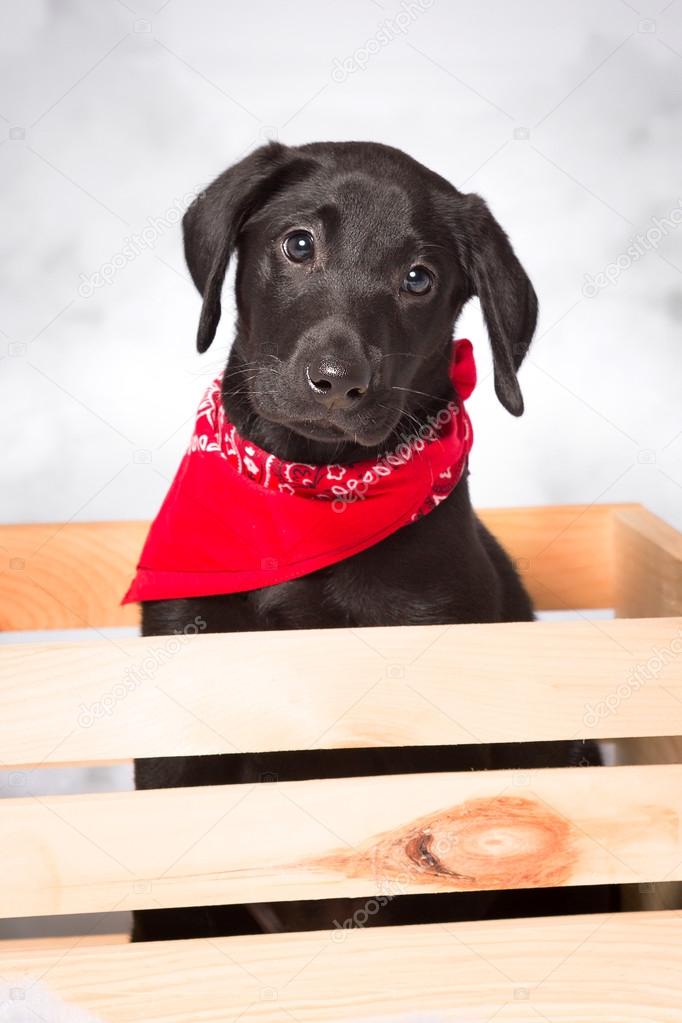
71	575
339	838
63	943
594	969
420	685
67	575
563	552
648	581
648	565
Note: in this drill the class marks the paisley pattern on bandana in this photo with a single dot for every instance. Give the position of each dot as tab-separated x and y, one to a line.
237	518
337	483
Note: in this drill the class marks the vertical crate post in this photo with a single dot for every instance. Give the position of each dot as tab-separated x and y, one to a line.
647	565
647	561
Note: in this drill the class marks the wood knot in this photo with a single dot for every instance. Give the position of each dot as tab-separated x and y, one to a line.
503	842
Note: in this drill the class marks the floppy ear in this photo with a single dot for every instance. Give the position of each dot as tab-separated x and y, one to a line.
212	223
508	301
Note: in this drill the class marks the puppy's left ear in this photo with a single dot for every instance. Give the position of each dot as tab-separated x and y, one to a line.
508	301
212	223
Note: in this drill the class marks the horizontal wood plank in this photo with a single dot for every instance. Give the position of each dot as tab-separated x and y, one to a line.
422	685
564	553
71	575
340	838
596	969
62	943
68	575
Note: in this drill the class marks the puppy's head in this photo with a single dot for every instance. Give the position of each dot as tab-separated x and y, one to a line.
354	262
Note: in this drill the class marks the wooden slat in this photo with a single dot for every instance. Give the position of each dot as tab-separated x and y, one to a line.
70	575
60	943
563	552
648	565
648	581
424	685
596	969
338	838
67	575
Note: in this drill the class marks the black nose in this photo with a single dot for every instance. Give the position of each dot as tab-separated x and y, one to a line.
337	383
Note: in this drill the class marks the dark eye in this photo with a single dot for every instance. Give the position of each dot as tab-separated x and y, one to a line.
418	280
299	247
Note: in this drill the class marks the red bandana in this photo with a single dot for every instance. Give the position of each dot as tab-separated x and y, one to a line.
237	518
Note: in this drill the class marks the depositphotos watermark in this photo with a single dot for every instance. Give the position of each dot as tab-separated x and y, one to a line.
145	671
361	917
640	245
135	244
388	889
389	29
638	677
356	489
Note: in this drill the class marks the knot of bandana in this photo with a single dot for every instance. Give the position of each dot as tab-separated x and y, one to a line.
231	520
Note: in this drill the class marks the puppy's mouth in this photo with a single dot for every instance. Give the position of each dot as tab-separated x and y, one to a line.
368	429
370	423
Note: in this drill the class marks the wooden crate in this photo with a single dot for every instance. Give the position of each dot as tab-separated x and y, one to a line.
108	700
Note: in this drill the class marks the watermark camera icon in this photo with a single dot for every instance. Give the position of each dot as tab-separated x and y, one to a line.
268	133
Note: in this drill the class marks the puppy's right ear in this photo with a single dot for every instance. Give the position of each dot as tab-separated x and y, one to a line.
212	223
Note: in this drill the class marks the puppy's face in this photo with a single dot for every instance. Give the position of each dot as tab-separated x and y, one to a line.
347	292
354	262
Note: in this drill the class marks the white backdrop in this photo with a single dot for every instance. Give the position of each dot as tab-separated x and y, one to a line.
566	117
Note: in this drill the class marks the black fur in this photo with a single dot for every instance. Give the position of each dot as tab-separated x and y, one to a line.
374	212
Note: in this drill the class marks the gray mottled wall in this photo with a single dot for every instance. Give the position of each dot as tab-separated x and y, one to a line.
566	117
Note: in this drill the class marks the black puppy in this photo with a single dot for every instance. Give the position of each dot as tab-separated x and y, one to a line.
354	264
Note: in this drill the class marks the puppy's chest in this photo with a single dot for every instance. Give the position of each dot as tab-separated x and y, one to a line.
358	592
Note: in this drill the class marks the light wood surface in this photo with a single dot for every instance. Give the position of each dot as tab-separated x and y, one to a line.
648	565
367	837
563	552
62	943
71	575
111	701
648	581
338	838
583	969
68	575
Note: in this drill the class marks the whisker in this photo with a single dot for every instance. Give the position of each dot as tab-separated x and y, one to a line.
425	394
410	355
244	369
